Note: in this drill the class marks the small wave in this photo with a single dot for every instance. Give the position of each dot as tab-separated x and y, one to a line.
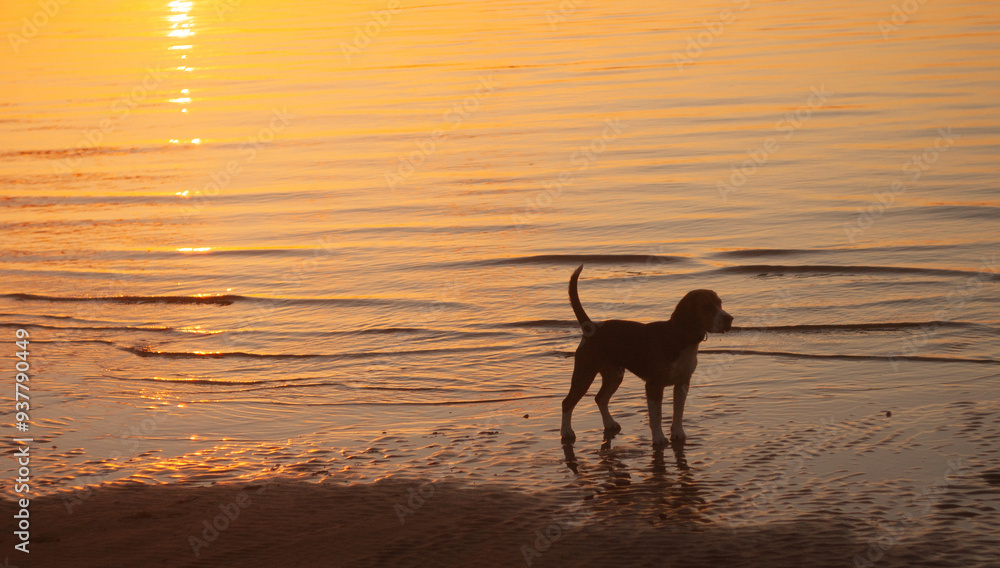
574	259
398	388
414	403
850	251
149	352
74	341
199	381
817	269
757	253
957	211
369	302
81	178
284	386
263	386
228	299
474	401
272	334
383	331
280	252
884	326
100	328
45	201
59	153
541	323
888	358
221	300
190	331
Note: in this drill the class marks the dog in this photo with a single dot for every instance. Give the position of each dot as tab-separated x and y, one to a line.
660	353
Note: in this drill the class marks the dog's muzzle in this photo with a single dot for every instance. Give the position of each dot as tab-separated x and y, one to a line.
723	322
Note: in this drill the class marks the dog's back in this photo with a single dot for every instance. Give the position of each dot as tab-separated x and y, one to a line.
641	348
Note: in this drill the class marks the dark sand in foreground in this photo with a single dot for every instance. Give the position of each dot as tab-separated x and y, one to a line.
295	523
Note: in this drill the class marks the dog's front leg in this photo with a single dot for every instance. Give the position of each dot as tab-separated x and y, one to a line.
654	401
677	435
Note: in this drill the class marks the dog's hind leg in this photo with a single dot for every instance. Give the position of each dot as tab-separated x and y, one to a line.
584	372
611	379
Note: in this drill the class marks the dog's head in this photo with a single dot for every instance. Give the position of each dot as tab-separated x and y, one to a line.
701	310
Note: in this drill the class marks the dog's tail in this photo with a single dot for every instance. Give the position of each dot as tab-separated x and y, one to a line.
574	300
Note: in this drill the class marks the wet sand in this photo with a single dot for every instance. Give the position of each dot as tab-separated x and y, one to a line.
423	523
389	524
837	481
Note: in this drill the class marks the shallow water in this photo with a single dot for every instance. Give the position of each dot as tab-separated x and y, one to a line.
248	240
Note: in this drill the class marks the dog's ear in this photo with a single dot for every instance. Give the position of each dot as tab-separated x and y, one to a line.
688	319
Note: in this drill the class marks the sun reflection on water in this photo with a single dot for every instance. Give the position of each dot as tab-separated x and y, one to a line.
181	26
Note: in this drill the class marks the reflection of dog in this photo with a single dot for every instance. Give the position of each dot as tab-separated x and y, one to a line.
661	353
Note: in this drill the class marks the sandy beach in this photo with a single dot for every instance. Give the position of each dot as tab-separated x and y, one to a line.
416	522
289	523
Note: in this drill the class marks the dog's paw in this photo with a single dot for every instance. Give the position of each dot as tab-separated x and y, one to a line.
677	436
612	428
659	440
568	436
